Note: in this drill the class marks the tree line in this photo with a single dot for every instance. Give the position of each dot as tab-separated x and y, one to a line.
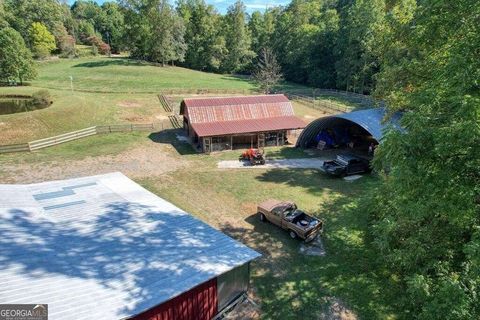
322	43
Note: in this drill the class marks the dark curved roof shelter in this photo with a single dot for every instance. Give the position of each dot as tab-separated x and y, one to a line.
371	120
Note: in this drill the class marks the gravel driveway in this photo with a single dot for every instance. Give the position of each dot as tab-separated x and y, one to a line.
313	163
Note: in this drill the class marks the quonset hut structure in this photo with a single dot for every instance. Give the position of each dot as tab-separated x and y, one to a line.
358	128
102	247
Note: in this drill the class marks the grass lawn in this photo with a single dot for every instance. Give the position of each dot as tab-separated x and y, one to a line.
103	74
107	91
288	284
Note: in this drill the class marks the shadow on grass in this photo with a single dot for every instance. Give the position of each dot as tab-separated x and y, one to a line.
112	62
290	285
169	136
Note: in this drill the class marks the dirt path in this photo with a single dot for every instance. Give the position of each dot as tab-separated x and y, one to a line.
142	161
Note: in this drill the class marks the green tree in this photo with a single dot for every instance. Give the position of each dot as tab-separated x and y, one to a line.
238	40
43	42
426	210
113	26
84	30
64	41
304	41
16	62
3	20
155	32
205	44
268	72
357	46
22	13
262	27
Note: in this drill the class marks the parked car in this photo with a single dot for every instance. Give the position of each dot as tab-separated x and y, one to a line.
286	215
346	164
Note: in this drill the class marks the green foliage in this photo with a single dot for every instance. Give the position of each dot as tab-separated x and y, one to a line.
16	62
65	42
98	46
357	46
22	13
304	41
42	97
426	210
238	40
268	72
42	41
262	27
112	26
156	33
85	30
203	36
3	20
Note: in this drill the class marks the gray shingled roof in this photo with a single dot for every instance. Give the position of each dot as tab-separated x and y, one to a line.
103	247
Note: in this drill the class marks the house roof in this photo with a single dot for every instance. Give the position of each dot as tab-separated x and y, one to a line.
102	247
232	115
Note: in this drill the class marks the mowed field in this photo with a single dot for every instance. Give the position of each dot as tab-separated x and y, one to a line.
108	91
347	283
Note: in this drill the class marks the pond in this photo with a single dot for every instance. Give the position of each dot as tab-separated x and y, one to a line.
18	104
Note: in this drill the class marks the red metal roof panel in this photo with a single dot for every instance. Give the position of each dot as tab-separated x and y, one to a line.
247	126
205	114
225	101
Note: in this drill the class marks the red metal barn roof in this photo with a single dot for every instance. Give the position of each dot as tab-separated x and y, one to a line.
233	115
245	126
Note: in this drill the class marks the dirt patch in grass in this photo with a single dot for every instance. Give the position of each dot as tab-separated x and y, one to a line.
137	119
243	311
338	311
129	104
161	117
148	160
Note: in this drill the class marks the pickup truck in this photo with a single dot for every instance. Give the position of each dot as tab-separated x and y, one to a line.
346	164
286	215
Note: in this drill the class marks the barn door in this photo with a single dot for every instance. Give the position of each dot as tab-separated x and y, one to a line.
207	145
261	140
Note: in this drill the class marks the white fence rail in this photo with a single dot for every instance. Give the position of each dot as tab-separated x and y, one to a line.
83	133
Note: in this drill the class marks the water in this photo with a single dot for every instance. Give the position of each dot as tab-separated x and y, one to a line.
15	105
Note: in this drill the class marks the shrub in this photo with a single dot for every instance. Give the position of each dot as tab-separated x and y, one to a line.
97	42
42	98
43	42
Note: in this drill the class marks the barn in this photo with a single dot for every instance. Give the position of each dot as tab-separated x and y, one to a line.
102	247
357	129
225	123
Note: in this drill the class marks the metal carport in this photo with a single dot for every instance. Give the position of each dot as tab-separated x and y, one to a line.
371	120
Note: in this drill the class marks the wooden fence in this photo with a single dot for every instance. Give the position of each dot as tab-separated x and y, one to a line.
79	134
177	91
15	148
326	106
52	141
